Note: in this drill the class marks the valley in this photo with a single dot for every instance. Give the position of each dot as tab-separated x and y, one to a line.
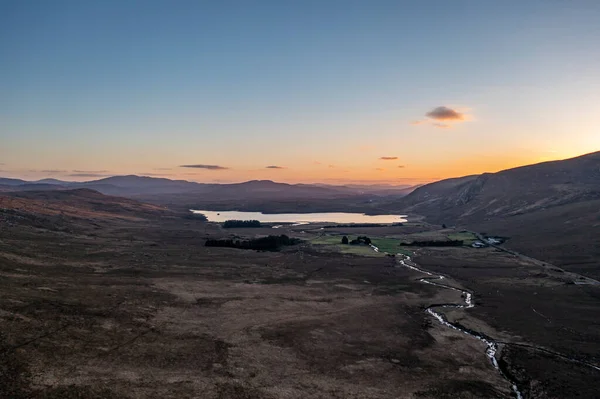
99	308
103	296
299	200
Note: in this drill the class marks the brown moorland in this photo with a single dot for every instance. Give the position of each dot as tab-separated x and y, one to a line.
134	305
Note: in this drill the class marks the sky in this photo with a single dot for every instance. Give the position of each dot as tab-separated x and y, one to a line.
323	91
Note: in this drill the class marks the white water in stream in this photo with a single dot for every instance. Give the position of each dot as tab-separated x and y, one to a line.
492	346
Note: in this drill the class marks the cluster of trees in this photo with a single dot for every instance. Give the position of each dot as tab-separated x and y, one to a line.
359	240
333	226
269	243
241	223
434	243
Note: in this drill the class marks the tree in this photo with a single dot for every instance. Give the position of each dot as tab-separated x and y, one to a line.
269	243
364	239
444	226
241	223
344	240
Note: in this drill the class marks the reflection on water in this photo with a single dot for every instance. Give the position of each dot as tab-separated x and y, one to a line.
302	218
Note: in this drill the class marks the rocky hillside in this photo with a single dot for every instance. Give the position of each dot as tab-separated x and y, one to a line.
507	193
550	211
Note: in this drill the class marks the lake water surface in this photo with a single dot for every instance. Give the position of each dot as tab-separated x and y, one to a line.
332	217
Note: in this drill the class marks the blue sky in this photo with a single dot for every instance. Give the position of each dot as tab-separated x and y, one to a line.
323	89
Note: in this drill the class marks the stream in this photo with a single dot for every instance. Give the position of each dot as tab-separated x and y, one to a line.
492	346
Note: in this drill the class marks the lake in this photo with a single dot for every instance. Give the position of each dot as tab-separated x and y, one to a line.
331	217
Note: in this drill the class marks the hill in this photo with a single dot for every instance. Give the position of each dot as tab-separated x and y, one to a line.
509	192
551	210
5	181
52	181
83	204
141	185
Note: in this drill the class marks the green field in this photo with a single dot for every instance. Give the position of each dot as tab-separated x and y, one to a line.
385	245
389	245
467	237
334	242
361	250
436	235
327	240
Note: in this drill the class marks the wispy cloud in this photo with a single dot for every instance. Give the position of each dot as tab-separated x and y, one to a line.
202	166
388	158
317	163
53	171
89	171
380	169
163	168
402	166
442	125
331	166
274	167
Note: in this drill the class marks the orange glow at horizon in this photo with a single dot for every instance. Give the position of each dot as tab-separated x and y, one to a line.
411	174
368	170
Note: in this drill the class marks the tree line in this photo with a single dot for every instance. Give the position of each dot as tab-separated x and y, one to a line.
357	241
268	243
228	224
334	226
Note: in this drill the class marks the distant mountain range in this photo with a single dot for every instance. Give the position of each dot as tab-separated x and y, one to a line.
120	184
550	210
145	184
137	185
251	194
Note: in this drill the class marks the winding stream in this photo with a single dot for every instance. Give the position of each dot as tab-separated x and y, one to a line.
492	346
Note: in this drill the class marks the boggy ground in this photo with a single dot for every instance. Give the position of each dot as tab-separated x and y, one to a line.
141	309
527	304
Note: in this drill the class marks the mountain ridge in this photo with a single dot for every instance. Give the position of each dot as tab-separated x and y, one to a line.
550	210
508	192
129	185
